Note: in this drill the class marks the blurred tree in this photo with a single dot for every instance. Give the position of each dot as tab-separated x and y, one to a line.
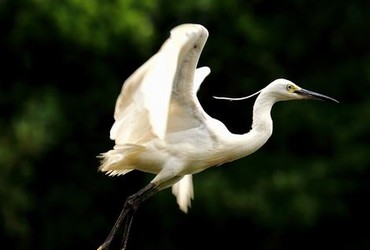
50	50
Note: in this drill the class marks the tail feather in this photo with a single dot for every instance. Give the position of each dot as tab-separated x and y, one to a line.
184	192
118	172
120	160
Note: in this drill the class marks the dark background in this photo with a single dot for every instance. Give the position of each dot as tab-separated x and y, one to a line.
62	67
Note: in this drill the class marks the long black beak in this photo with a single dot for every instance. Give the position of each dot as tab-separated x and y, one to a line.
313	95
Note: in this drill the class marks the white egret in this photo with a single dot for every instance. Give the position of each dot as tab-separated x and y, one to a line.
161	128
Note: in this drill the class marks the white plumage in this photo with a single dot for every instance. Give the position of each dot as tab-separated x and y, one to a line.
161	128
157	107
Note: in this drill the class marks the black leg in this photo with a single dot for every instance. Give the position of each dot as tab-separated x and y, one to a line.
126	230
128	211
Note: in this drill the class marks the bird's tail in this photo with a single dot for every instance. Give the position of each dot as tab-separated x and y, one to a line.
120	160
184	192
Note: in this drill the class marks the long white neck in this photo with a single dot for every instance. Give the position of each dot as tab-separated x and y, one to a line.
261	131
262	122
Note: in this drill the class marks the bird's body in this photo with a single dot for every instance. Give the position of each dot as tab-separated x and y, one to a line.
184	140
161	128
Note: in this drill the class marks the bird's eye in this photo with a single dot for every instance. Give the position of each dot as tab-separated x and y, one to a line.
290	88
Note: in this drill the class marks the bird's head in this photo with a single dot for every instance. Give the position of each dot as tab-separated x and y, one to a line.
285	90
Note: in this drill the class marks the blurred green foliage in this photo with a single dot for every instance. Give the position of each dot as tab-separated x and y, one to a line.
62	66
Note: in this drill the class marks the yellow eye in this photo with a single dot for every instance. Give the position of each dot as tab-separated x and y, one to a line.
290	88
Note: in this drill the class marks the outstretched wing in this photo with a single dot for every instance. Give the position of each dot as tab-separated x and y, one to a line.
185	109
142	108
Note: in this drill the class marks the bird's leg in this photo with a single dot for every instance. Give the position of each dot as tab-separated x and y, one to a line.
128	211
126	230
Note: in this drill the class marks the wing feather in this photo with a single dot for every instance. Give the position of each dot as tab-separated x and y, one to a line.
158	99
142	108
185	110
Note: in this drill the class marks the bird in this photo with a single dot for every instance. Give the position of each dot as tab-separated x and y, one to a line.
161	128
